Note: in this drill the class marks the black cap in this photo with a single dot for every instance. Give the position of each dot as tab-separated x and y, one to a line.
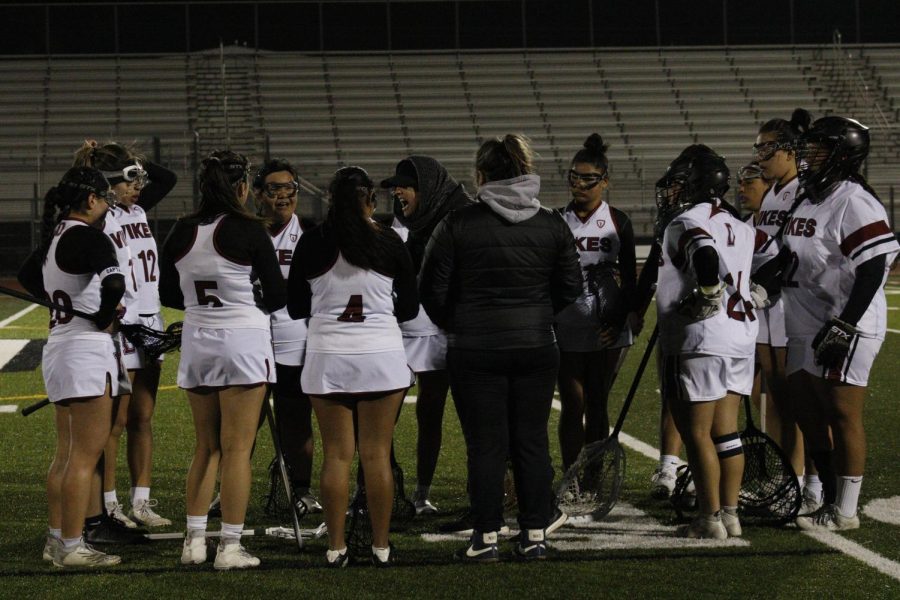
404	176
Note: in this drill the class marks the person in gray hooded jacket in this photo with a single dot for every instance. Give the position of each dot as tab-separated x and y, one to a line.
493	276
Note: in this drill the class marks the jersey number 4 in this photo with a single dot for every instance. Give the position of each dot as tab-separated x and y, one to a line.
354	311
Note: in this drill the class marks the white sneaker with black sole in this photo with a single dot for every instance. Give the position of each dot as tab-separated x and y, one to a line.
811	502
234	556
84	556
827	518
142	513
424	507
114	510
662	483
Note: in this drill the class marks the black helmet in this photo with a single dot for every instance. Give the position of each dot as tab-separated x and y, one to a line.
831	150
78	183
697	175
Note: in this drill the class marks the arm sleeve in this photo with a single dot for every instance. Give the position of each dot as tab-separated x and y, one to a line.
869	279
688	237
174	247
31	275
100	257
705	261
437	273
112	288
406	295
265	265
627	257
566	282
647	280
161	182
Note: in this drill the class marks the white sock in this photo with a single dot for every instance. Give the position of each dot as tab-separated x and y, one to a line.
109	498
231	532
54	533
801	481
814	485
381	553
848	495
196	524
70	544
139	494
668	462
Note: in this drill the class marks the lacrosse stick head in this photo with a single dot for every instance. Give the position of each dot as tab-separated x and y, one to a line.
359	528
604	282
591	486
684	495
152	342
770	492
402	510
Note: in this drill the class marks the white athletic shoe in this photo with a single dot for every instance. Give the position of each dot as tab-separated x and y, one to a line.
114	510
194	550
811	502
234	556
662	483
142	513
829	519
704	527
84	555
424	506
52	545
732	524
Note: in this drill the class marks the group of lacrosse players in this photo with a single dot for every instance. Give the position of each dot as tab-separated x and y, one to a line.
329	317
798	287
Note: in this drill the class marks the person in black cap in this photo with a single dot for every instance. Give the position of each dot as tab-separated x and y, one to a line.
424	192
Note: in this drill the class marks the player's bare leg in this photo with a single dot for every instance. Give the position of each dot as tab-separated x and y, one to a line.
732	467
338	447
376	430
695	422
145	382
785	432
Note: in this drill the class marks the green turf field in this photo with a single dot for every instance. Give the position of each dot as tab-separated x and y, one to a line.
624	559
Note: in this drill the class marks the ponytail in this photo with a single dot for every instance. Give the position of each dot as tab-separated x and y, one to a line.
221	174
505	158
786	132
593	152
362	242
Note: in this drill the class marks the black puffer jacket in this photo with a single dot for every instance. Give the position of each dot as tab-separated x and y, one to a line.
495	272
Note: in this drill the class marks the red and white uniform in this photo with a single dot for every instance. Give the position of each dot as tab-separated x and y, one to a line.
353	314
113	228
772	212
145	257
597	240
828	241
288	335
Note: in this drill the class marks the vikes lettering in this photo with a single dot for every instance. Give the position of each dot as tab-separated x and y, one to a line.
284	256
771	217
137	230
593	244
801	226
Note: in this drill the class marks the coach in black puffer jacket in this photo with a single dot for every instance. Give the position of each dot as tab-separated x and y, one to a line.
493	276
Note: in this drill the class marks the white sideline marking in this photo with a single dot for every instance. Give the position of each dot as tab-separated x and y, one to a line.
894	330
9	348
886	510
18	315
8	408
410	399
857	551
628	441
893	307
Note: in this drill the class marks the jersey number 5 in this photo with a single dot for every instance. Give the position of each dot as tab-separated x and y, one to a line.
354	311
204	299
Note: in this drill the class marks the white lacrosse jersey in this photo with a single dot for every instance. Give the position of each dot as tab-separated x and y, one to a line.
731	332
775	206
80	291
400	228
352	308
144	255
828	241
116	232
284	328
421	325
217	291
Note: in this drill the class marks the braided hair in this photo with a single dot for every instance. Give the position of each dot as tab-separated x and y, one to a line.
72	191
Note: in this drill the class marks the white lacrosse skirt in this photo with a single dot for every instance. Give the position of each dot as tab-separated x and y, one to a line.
214	357
703	378
79	366
426	353
327	373
854	370
133	358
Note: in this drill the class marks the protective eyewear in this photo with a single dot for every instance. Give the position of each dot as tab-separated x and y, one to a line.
749	172
274	190
585	181
767	150
132	173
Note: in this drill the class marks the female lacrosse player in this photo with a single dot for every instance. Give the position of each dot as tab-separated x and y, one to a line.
774	150
425	192
354	279
276	186
590	343
494	274
841	248
139	186
76	267
208	263
707	329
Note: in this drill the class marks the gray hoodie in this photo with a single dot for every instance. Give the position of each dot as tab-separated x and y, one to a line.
513	199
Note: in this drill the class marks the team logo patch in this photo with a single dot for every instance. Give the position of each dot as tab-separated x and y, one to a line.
293	237
601	222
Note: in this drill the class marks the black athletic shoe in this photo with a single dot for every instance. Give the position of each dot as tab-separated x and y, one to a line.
462	524
382	564
482	548
112	531
530	545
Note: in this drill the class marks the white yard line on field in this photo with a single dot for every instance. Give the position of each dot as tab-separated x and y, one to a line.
893	330
18	315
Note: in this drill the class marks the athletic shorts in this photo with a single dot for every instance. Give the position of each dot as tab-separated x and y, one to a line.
224	357
325	374
133	358
80	366
701	377
855	370
771	326
426	353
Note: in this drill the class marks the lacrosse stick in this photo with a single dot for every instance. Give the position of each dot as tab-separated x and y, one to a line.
282	468
152	342
592	484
